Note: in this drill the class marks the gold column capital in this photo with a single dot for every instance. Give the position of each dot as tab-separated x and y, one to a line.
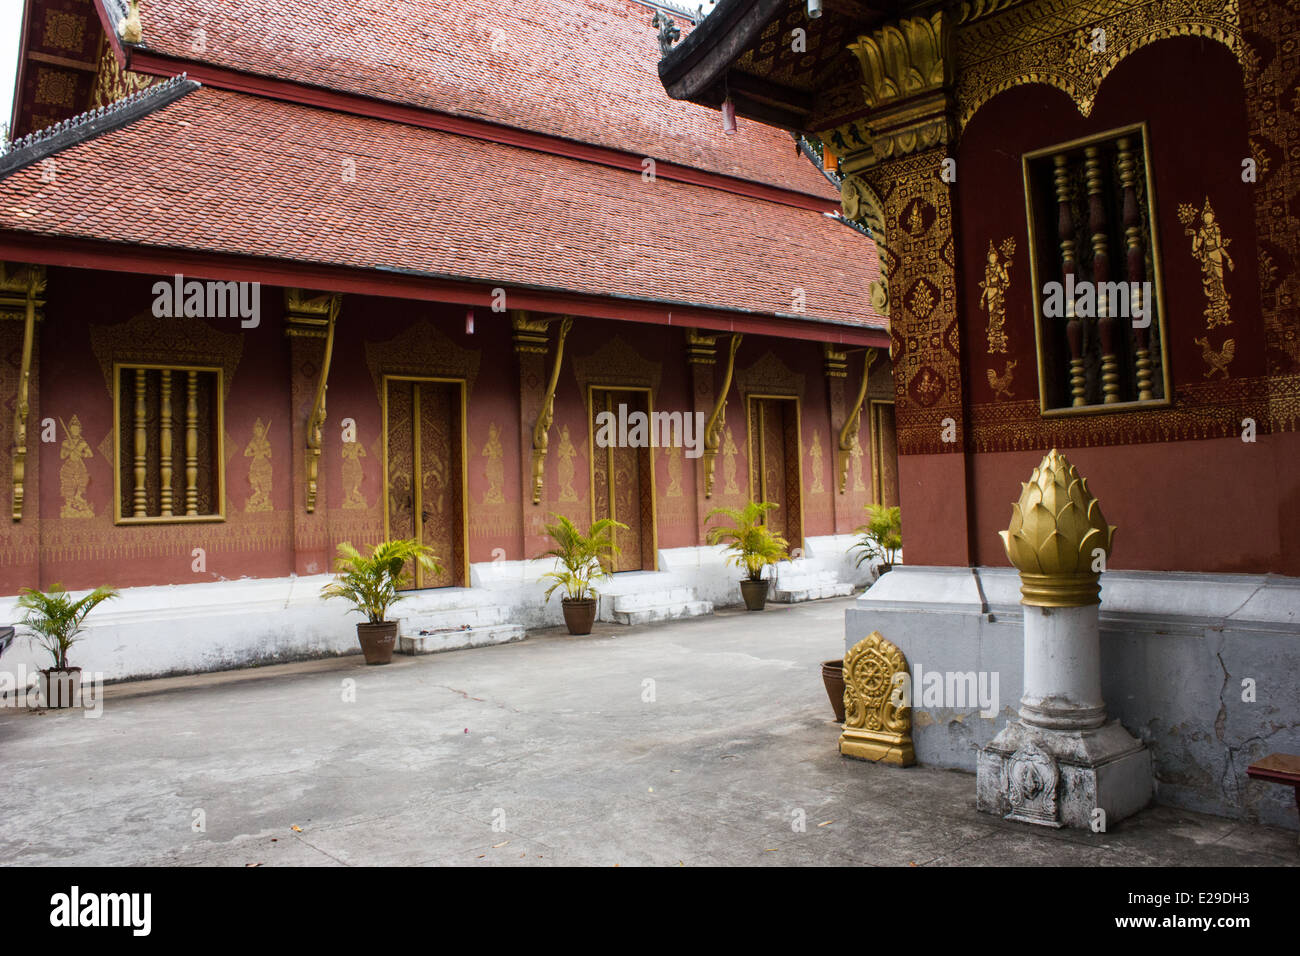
835	361
1058	539
306	314
530	334
701	349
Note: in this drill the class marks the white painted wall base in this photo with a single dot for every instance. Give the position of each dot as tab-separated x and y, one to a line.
186	628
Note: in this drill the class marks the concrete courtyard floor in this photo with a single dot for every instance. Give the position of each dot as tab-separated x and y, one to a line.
552	751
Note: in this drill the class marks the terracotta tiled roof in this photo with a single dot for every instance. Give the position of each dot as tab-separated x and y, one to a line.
581	69
236	174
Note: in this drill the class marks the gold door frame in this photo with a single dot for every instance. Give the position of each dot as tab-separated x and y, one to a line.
754	436
591	463
417	489
877	452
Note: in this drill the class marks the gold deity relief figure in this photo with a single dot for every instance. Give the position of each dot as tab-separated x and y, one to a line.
815	456
729	451
1210	249
993	297
353	473
674	454
74	476
565	454
259	469
495	468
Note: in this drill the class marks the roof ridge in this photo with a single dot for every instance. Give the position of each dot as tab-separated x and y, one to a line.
77	129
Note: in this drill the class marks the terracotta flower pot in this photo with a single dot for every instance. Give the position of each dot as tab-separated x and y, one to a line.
755	593
377	641
579	614
61	687
833	678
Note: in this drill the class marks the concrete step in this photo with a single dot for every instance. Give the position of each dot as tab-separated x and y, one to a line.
414	618
650	613
638	600
431	641
796	587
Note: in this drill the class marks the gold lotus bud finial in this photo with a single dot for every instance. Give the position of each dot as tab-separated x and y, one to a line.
1058	539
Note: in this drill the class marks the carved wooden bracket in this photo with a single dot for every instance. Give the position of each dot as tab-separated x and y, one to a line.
314	317
849	433
541	436
31	285
713	430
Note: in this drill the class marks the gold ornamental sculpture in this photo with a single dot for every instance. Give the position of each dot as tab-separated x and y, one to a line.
1058	539
877	714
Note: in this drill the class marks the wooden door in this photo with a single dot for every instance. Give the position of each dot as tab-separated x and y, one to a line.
622	483
775	463
424	470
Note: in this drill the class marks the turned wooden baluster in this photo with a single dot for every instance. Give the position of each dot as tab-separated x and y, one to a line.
165	444
1106	325
140	498
192	444
1065	232
1137	265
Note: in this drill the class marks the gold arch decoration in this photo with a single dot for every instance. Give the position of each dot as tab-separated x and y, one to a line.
421	350
1001	45
146	340
877	709
771	376
616	363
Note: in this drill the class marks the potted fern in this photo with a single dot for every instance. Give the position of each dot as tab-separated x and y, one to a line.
55	620
881	538
752	546
371	584
578	560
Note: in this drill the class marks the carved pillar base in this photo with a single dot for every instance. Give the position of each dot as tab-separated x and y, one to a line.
878	747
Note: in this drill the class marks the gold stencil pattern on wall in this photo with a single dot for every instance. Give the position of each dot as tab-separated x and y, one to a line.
815	454
495	467
1218	359
353	474
259	469
564	455
74	476
771	376
993	294
859	482
1001	384
1210	249
674	453
616	363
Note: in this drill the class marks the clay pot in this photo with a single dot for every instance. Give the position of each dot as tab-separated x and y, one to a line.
833	678
579	614
61	687
377	641
755	593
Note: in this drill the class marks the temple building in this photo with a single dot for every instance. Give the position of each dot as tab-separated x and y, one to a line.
277	276
1088	218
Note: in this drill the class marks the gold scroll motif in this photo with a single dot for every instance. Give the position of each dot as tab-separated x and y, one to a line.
877	714
993	297
541	436
495	468
32	282
713	429
74	476
848	442
353	473
1058	538
259	469
565	452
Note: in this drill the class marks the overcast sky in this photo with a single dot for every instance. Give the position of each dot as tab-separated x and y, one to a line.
11	24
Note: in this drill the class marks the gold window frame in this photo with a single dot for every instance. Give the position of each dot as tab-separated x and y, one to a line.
417	491
219	477
591	463
1157	280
